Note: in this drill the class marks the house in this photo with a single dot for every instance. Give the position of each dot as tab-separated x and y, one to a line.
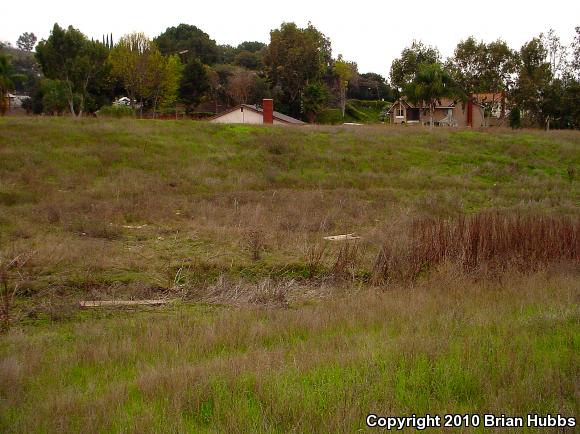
16	101
252	114
448	112
495	103
126	101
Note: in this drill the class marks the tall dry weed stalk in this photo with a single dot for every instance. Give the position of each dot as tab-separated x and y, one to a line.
344	266
484	242
255	243
314	255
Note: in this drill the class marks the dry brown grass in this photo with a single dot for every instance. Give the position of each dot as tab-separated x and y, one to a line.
280	330
245	201
314	257
12	275
486	242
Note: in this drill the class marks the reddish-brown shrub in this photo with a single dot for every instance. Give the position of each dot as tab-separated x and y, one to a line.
483	242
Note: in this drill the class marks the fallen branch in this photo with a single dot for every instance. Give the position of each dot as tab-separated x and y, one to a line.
108	303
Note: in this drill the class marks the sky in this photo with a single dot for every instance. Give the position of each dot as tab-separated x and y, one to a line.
371	33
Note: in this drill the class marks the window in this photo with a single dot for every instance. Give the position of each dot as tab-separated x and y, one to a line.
400	112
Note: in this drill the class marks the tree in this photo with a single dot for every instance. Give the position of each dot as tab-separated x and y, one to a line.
157	76
370	86
214	85
344	71
404	69
431	83
226	54
240	84
5	83
547	88
54	100
218	81
251	46
314	99
67	55
515	118
575	63
189	40
194	83
260	89
247	59
295	57
467	63
25	69
557	54
48	97
478	67
569	108
26	41
544	75
249	54
534	77
137	62
171	82
497	76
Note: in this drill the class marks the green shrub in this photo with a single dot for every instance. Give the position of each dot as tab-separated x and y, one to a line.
54	99
515	118
202	115
116	111
329	116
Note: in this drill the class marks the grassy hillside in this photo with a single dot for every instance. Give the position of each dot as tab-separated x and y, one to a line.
133	202
357	111
274	329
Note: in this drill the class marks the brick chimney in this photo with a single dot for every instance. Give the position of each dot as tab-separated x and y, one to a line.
268	110
469	122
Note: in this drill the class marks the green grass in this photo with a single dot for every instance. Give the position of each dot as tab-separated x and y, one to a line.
357	111
68	189
213	157
444	347
148	209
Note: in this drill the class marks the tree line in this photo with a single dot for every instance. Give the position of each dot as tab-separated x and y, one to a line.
184	69
539	83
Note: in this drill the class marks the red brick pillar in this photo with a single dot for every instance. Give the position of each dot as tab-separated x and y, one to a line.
470	111
268	111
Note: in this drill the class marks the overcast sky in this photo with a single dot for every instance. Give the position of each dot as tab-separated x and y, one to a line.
371	32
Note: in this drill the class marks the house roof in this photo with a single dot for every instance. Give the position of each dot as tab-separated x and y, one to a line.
22	97
277	115
488	96
445	103
397	102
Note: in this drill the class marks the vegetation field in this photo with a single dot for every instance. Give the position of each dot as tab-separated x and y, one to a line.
461	294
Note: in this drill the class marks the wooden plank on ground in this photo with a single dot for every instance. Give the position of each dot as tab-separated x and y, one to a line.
344	237
114	303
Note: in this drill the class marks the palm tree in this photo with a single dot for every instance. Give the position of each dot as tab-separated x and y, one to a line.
432	82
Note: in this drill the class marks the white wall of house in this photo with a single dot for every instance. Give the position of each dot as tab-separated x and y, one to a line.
238	116
398	114
16	101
